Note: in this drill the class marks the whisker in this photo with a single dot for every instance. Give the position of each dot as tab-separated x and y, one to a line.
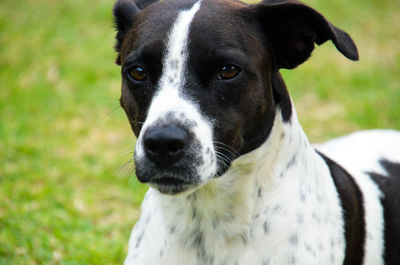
224	161
127	168
137	122
224	156
226	147
192	172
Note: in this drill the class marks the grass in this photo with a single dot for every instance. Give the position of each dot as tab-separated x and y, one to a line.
64	140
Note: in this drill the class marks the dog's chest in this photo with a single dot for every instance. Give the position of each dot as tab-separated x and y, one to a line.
277	235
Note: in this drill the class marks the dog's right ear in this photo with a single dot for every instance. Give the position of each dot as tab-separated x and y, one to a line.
124	11
142	4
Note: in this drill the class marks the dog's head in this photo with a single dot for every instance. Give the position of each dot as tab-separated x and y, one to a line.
200	80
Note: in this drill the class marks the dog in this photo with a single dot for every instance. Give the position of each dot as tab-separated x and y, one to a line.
233	178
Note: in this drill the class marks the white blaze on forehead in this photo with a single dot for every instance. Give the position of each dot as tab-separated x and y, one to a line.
170	98
175	60
172	80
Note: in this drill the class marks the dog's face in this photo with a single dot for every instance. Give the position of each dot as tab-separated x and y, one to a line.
200	80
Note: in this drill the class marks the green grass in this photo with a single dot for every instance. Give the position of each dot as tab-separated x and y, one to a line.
64	140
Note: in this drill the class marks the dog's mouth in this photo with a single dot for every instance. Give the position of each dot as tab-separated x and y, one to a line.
171	185
170	181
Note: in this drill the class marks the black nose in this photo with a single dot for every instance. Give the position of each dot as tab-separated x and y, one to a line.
165	145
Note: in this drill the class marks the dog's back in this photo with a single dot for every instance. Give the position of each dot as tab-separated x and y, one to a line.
374	155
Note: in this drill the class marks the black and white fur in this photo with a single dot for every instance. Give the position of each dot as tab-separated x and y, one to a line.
233	178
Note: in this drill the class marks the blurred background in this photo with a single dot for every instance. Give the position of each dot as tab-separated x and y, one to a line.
67	191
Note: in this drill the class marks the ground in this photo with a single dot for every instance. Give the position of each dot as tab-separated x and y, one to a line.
67	192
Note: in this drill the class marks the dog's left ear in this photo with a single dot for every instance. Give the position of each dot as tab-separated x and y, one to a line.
293	27
124	12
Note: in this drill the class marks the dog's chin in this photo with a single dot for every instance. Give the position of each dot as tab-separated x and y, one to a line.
170	184
173	188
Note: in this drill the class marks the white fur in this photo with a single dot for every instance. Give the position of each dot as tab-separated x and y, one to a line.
257	194
170	98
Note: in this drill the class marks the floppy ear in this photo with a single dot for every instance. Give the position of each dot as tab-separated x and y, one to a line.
142	4
292	29
124	11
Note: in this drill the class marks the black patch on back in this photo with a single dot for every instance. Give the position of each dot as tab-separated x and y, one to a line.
390	187
354	216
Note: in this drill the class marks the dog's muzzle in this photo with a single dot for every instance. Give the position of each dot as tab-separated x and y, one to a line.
169	159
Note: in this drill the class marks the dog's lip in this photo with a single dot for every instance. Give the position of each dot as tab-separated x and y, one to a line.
172	185
170	181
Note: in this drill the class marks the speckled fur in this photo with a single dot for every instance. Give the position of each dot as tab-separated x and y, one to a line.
276	205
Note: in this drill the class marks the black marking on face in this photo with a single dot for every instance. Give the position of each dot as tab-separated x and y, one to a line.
223	33
353	212
242	109
390	187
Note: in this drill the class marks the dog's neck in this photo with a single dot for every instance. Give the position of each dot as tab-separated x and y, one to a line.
226	207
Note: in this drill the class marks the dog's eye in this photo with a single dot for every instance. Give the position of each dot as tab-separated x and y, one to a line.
229	72
137	73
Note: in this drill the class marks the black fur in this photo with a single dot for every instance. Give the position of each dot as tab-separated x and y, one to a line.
354	215
390	187
124	11
142	4
281	96
293	28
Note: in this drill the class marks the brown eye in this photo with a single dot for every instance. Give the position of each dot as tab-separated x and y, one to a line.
137	73
229	72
